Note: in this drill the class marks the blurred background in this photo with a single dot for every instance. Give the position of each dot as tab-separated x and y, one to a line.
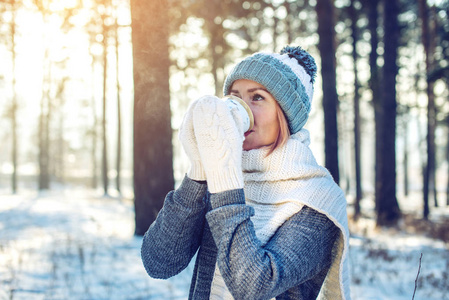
93	93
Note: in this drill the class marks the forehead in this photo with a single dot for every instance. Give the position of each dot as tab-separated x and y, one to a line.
246	83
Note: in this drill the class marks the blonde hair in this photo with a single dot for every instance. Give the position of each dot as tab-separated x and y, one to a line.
284	132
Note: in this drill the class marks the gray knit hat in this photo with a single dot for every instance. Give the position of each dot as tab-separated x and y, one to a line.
288	76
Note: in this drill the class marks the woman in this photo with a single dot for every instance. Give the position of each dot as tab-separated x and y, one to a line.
267	221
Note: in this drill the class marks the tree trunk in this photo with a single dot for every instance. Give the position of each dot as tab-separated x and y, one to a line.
405	163
48	117
387	207
374	83
43	156
44	179
288	22
41	176
433	45
325	12
57	134
447	158
119	113
153	166
104	161
212	46
275	33
94	179
357	142
44	116
94	182
59	157
429	170
14	100
217	45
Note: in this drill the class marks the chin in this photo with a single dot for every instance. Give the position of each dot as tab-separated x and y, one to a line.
251	146
248	146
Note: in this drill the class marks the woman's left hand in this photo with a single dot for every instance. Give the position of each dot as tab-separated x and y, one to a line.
220	139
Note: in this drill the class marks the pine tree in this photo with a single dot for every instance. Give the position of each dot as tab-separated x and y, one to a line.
326	31
153	167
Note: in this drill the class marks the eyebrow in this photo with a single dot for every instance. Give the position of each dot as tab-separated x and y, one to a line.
252	90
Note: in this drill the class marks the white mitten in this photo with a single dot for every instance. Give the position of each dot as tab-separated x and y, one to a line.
220	141
188	142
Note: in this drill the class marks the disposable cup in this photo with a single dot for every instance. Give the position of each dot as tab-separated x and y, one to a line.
234	102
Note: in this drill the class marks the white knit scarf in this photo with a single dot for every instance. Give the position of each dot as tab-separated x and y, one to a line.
278	186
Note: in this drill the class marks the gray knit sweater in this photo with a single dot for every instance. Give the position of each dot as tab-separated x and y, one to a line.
291	265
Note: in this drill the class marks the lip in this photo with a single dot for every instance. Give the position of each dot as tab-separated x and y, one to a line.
248	133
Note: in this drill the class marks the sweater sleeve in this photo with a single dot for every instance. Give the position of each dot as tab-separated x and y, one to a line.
174	237
299	250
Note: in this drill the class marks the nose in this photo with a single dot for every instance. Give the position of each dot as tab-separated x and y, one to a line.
247	100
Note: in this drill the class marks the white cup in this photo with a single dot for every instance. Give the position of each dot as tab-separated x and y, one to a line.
243	109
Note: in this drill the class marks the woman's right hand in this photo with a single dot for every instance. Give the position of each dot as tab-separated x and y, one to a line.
189	143
220	138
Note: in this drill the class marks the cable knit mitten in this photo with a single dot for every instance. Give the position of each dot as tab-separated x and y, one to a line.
188	142
220	139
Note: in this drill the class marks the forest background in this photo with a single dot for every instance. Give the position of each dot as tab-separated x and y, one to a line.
93	93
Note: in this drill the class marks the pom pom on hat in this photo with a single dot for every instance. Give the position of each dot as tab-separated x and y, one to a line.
304	59
288	76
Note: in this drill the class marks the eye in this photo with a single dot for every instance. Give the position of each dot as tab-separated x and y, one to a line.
257	97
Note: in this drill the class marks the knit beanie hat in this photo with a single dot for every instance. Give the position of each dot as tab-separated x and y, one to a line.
288	76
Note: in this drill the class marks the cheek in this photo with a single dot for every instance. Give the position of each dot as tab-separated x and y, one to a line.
267	129
268	120
273	126
268	125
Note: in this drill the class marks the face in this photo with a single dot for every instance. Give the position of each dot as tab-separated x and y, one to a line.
263	106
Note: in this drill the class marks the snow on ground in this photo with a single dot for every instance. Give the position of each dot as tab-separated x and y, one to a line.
75	244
